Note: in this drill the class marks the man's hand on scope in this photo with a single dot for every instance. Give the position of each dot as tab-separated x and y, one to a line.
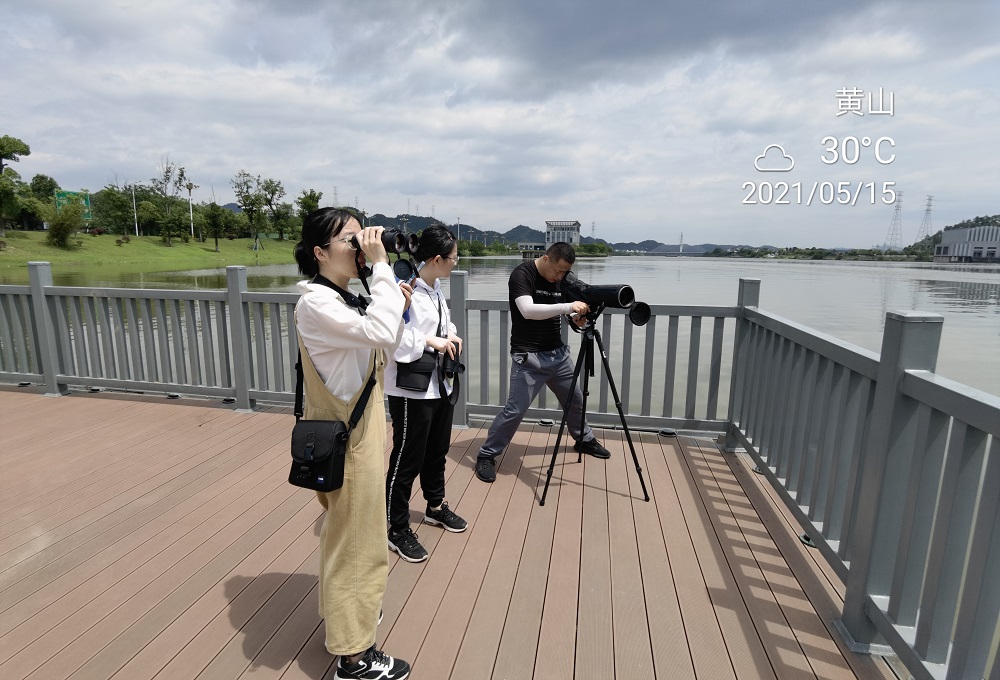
579	313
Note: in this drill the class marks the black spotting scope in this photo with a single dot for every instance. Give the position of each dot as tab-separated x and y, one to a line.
620	296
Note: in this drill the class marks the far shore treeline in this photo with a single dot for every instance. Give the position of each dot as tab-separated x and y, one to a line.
162	210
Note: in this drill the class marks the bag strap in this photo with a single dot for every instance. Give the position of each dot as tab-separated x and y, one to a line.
359	408
359	303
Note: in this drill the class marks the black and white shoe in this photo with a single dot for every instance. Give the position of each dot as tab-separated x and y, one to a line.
444	517
374	665
406	544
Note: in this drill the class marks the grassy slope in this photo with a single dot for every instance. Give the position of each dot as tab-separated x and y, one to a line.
143	254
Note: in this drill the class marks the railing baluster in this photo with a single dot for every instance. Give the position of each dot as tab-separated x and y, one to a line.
715	368
670	370
692	368
963	469
176	335
816	424
979	608
930	442
648	361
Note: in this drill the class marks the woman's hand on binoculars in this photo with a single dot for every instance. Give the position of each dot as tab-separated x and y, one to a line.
457	340
441	345
370	241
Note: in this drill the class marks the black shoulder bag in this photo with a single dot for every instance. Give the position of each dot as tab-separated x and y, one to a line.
416	375
319	447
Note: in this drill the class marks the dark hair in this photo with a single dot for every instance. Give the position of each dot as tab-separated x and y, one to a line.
561	252
436	239
318	229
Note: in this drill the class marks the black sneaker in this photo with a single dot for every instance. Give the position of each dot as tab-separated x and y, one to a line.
374	665
406	544
444	517
486	469
592	447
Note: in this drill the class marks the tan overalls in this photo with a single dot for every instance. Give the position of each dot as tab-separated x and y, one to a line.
353	561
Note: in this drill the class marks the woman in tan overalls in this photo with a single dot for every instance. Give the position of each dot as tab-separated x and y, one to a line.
342	339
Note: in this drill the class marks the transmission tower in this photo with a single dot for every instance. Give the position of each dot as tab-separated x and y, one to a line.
593	228
336	203
680	249
925	224
894	237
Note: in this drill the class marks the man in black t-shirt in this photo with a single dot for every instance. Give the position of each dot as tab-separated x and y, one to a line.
539	356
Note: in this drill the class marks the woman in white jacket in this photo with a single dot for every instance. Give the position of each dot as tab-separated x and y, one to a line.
421	421
342	340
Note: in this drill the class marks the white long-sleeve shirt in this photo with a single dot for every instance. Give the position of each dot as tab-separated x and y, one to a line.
339	339
423	322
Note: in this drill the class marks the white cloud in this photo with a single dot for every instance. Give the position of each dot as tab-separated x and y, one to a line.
642	118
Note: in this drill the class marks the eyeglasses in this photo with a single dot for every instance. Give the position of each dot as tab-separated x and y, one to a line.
351	241
453	259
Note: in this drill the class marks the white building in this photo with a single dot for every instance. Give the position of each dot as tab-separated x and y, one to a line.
969	244
567	232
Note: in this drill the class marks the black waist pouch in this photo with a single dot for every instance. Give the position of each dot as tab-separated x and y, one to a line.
416	375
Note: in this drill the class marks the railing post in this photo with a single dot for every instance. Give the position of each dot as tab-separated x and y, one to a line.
459	284
236	285
910	341
749	296
46	343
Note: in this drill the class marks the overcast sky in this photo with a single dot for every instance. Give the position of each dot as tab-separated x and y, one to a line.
643	119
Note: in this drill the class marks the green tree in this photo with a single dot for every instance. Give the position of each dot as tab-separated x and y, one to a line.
64	222
112	209
250	199
44	187
167	185
11	150
285	220
272	192
215	222
174	224
10	197
150	216
308	201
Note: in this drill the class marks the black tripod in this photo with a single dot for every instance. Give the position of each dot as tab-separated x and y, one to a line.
586	360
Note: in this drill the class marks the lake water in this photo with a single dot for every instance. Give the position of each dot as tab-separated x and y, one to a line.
847	300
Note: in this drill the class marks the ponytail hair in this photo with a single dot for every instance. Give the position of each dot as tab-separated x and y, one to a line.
435	240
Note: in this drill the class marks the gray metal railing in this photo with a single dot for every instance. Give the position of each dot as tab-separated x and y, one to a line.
892	471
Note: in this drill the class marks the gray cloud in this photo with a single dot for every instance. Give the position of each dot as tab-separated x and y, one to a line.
641	117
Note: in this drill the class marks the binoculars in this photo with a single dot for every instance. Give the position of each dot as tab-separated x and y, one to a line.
451	367
396	242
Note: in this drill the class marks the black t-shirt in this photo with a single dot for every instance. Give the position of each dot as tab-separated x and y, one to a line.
531	335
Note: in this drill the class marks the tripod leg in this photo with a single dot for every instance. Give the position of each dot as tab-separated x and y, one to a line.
562	424
621	413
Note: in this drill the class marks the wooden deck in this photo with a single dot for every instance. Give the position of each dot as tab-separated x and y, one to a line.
144	538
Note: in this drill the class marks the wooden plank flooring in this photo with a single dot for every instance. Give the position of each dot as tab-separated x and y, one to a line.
147	538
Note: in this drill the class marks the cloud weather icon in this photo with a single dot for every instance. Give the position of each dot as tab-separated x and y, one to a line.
774	159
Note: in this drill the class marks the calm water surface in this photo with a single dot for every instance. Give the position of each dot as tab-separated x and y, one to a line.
847	300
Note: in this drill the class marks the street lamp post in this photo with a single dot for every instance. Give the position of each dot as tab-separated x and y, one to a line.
191	186
135	213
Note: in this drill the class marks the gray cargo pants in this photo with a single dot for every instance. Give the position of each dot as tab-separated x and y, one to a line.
529	373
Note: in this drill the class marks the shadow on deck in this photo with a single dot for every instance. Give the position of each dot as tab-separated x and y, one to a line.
141	538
